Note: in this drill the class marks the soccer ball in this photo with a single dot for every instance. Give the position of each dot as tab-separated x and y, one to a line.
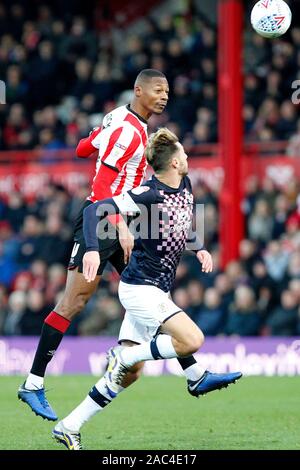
271	18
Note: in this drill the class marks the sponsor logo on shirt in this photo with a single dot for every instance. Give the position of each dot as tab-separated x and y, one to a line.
120	146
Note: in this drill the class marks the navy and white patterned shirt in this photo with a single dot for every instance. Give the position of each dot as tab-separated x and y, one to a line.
167	214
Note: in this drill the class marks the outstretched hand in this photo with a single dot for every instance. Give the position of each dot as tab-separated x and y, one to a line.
206	260
91	263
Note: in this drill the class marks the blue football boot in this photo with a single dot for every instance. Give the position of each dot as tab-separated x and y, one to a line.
209	382
37	401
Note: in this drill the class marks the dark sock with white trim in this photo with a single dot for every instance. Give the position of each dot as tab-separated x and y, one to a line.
191	369
186	362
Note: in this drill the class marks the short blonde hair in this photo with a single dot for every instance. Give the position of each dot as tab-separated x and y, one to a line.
161	148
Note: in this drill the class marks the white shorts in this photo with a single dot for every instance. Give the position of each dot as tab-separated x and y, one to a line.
147	307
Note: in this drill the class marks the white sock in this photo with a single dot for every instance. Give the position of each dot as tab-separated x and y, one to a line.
144	352
101	387
87	409
194	372
34	382
165	347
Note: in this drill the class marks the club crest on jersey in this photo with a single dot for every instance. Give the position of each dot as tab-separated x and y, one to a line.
140	190
120	146
107	121
163	307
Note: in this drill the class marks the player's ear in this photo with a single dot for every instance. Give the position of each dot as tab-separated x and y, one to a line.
175	162
137	90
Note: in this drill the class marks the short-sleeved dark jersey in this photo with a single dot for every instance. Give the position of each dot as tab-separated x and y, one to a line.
165	220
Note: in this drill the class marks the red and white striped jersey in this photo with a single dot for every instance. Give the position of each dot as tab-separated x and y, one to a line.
121	145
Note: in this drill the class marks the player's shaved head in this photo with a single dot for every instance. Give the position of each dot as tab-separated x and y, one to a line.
151	93
147	74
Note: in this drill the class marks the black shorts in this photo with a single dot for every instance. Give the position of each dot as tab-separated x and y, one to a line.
109	249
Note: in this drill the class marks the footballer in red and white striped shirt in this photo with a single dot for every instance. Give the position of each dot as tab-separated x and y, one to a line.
122	138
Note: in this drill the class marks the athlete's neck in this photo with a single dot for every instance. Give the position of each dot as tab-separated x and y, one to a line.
172	180
138	109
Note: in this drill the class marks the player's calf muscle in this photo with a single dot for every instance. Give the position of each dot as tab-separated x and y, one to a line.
76	295
68	308
194	342
133	375
189	342
187	347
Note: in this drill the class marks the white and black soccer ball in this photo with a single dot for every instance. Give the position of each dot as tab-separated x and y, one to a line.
271	18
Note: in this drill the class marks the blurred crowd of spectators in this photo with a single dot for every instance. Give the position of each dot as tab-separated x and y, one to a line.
62	74
258	294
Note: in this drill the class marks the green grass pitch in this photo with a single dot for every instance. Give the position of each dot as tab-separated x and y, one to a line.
158	413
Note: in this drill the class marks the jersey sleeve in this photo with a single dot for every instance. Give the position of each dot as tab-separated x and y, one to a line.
91	216
132	200
86	146
120	147
194	242
127	202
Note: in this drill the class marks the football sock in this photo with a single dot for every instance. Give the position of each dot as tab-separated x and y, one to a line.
33	382
95	401
53	331
191	369
160	347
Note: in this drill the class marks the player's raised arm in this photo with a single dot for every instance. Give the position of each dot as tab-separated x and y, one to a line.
87	146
